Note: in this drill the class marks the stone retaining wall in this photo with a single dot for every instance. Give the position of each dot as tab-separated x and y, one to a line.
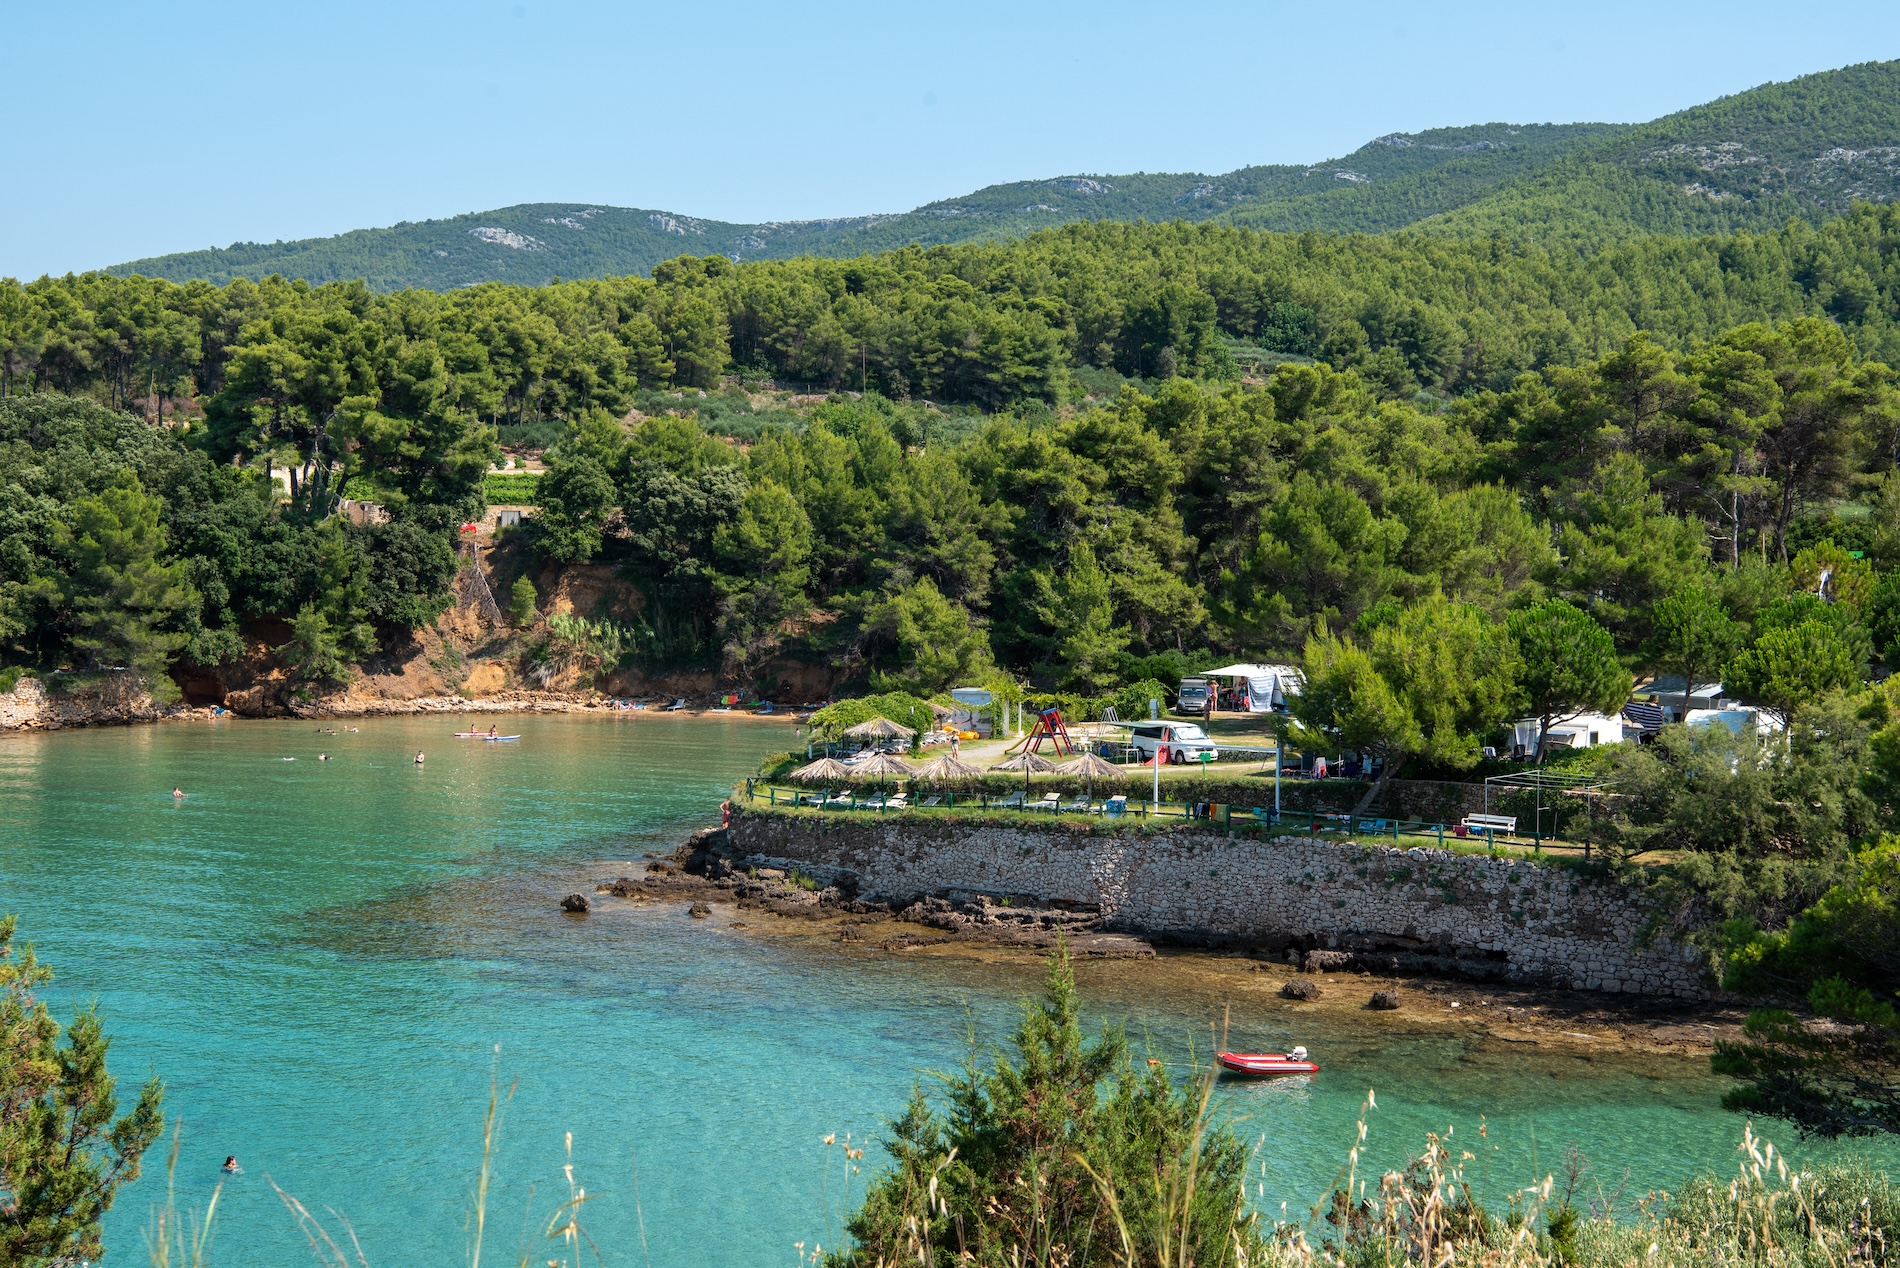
1508	918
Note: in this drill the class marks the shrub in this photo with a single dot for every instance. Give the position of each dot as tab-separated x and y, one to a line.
595	644
521	602
1067	1152
900	707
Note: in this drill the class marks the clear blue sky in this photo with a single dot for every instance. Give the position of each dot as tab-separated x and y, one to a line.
135	129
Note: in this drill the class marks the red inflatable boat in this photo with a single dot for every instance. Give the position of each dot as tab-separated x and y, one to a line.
1269	1065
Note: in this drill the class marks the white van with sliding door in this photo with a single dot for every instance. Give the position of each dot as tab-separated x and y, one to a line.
1177	741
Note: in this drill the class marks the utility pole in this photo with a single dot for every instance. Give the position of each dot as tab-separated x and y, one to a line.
1279	759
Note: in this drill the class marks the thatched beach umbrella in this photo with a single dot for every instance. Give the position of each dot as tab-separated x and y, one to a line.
1093	767
824	770
882	764
880	729
947	768
1027	762
879	766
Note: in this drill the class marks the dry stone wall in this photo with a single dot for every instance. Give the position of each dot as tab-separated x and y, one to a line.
1517	920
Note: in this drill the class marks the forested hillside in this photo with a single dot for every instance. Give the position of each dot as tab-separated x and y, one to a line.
1808	148
1805	149
1414	176
1307	427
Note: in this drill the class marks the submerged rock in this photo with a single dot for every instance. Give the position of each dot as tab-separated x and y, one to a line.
1301	988
699	911
575	904
1383	1000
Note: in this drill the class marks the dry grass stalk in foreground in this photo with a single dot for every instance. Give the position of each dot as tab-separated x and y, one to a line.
180	1241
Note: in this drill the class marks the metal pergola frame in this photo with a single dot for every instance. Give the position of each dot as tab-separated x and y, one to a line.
1539	781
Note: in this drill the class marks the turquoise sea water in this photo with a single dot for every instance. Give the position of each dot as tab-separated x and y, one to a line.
327	960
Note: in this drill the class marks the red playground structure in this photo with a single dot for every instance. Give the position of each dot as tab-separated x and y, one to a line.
1049	727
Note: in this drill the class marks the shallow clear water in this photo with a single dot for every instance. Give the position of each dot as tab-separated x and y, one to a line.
321	959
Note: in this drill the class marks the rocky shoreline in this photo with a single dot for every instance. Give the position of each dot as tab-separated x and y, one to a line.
704	875
31	707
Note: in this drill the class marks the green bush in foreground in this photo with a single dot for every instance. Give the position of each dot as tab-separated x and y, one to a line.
63	1155
1066	1153
1071	1153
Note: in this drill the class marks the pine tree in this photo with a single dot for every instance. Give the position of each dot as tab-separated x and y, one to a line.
63	1155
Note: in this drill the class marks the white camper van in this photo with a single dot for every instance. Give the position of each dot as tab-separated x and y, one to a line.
1178	741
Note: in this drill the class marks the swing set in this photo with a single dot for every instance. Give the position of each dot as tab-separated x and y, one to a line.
1049	726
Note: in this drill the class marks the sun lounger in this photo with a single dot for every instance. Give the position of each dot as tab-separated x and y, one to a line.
896	801
872	803
1050	801
1012	802
931	801
1079	806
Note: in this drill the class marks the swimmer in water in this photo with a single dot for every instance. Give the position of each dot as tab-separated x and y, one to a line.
178	793
230	1164
418	757
323	757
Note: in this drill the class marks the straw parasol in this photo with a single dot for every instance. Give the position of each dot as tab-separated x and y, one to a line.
1027	762
824	769
881	765
1092	766
947	768
880	729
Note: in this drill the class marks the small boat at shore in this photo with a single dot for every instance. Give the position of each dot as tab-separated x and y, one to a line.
496	739
1266	1065
483	735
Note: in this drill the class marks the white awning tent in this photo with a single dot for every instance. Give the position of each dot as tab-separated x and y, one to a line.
1735	719
1267	686
1583	731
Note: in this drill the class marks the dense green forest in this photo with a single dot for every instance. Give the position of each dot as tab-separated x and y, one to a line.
1803	149
1056	465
